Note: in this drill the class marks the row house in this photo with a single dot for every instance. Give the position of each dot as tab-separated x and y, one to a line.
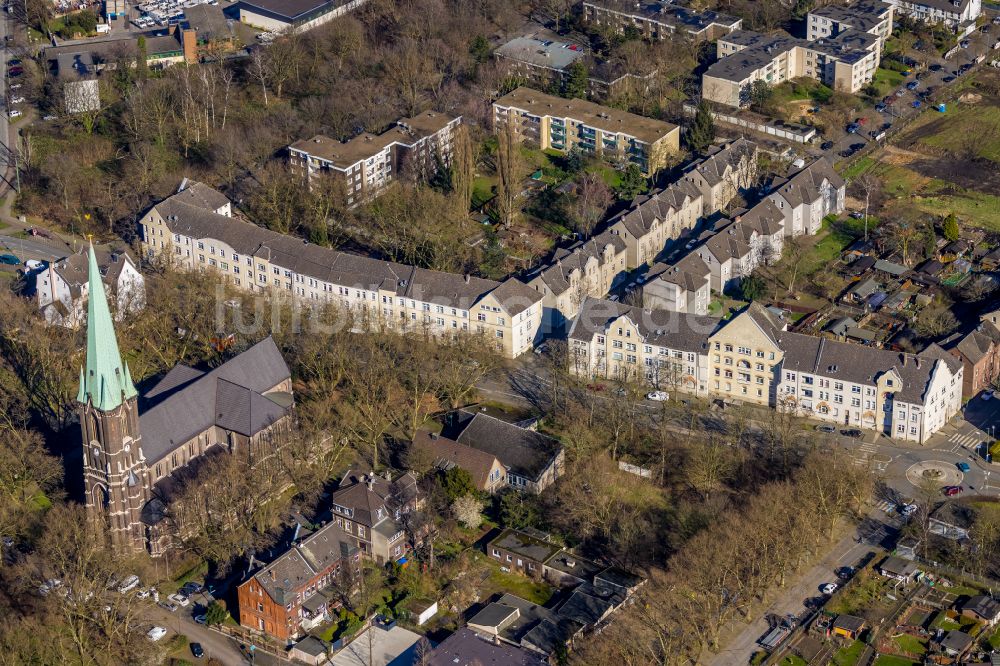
905	396
659	20
744	357
684	286
752	358
298	590
737	249
191	231
561	124
587	268
725	172
370	510
366	164
979	352
653	221
808	195
950	12
668	349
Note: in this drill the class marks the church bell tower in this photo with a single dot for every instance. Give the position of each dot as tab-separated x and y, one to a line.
116	479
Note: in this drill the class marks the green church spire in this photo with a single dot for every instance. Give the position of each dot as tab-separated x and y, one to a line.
106	381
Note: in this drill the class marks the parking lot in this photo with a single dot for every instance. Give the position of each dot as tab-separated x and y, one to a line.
919	91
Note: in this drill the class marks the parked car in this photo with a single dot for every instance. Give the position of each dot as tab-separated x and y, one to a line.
34	264
690	244
10	260
197	651
15	71
14	86
829	588
539	350
826	145
156	633
948	79
908	509
964	43
881	107
853	128
169	606
851	432
16	100
35	231
595	387
13	62
658	396
826	428
129	584
192	587
987	394
179	599
844	572
912	85
935	67
142	594
855	147
199	618
14	113
963	466
951	491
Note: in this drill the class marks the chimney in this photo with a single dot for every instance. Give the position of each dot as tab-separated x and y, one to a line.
904	358
916	361
371	482
468	278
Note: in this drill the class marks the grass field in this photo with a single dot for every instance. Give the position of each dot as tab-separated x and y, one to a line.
887	80
939	197
848	656
893	660
792	660
911	644
964	125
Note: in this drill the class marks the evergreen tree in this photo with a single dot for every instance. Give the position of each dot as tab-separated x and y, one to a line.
949	229
633	182
702	130
576	84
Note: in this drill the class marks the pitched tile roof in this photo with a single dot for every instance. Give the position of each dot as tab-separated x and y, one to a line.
664	328
447	453
804	186
690	272
556	274
292	571
187	401
182	216
369	497
722	160
860	364
524	452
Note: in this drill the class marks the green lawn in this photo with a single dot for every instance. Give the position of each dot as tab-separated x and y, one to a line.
911	644
893	660
994	639
792	660
887	80
522	586
943	622
848	656
939	197
858	168
482	190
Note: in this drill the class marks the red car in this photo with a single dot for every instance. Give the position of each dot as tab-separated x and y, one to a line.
861	121
595	387
951	491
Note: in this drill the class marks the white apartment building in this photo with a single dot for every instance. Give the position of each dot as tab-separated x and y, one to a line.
751	358
950	12
663	348
873	17
808	195
369	162
845	62
905	396
195	232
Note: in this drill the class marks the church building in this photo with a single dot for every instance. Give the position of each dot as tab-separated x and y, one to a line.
133	443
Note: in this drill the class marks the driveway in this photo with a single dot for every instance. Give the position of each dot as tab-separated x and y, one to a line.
215	644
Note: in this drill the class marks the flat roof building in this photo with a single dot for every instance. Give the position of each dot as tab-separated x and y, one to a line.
293	15
659	20
845	61
565	124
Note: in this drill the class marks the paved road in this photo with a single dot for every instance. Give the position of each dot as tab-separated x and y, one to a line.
35	247
846	552
225	649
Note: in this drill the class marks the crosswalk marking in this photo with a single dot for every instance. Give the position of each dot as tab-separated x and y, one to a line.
960	440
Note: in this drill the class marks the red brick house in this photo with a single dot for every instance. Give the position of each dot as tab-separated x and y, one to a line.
293	594
979	352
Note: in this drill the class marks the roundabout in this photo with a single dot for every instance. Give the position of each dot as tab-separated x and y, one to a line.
937	471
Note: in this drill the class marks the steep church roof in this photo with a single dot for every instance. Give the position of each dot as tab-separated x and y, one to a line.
106	381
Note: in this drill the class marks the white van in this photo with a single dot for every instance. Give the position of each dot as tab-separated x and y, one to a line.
129	584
